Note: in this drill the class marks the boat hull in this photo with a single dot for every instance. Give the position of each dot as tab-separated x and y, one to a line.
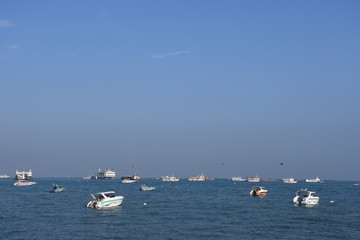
106	203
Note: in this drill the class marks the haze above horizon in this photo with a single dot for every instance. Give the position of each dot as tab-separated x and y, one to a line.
224	88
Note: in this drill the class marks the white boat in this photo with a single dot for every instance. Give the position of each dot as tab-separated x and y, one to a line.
107	174
23	175
133	177
258	191
126	180
289	180
23	183
305	197
4	176
144	187
169	179
253	179
237	179
104	200
313	180
197	178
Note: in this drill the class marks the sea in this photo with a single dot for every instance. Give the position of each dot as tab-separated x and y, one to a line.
219	209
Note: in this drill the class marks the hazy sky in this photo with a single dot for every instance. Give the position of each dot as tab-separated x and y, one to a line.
224	88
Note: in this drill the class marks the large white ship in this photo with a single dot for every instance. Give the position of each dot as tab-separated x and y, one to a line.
106	174
23	175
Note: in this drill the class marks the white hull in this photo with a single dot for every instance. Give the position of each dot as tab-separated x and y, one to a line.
105	200
306	201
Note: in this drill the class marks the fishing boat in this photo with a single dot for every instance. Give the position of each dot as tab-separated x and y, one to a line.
104	200
289	180
23	183
253	179
169	179
258	191
56	189
237	179
144	187
313	180
198	178
305	197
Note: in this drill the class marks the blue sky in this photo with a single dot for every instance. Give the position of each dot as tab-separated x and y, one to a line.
224	88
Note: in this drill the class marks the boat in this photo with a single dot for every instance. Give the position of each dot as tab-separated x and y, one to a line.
133	177
198	178
4	176
258	191
305	197
289	180
128	180
237	179
253	179
143	187
104	200
169	179
56	189
23	175
107	174
313	180
23	183
87	177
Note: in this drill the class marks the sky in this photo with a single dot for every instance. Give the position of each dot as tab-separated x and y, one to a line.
224	88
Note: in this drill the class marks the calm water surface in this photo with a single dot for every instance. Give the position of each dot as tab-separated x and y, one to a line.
218	209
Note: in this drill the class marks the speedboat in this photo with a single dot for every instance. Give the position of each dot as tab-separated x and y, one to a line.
104	200
143	187
289	180
258	191
24	183
56	189
305	197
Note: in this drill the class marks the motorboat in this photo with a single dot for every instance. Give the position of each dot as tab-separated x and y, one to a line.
56	189
24	183
289	180
104	200
133	177
144	187
237	179
128	180
305	197
253	179
258	191
169	179
313	180
4	176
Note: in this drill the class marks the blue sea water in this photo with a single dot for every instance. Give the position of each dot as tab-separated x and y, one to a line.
218	209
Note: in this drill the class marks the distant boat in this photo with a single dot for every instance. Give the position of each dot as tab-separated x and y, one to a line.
107	174
313	180
133	177
197	178
87	177
237	179
146	188
23	183
56	189
253	179
169	179
23	175
289	180
105	200
4	176
126	180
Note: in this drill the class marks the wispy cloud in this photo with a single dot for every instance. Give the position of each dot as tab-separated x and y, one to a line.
6	23
13	46
170	54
